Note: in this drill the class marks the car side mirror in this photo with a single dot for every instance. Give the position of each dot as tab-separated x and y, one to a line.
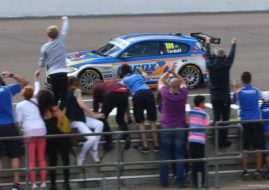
125	55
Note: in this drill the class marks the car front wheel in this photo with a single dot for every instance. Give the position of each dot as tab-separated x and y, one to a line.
192	75
87	79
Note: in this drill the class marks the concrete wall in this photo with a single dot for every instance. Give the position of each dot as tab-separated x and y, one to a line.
43	8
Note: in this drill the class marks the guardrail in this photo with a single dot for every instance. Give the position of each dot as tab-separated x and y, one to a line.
120	163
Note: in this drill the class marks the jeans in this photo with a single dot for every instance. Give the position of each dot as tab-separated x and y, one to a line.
167	139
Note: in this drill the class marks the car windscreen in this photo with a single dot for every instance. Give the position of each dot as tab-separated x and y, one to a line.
107	50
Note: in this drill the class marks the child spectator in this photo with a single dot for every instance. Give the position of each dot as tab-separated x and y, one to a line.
29	118
196	138
265	115
75	108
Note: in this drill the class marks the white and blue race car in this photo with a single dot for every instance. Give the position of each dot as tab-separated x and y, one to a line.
151	52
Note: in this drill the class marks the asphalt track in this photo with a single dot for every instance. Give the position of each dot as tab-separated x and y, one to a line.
20	39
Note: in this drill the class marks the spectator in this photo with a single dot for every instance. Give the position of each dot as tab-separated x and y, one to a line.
265	115
29	118
248	98
198	118
52	115
75	112
174	99
7	122
219	65
53	57
112	95
143	99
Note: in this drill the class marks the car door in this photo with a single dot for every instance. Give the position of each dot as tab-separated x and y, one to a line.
174	52
145	55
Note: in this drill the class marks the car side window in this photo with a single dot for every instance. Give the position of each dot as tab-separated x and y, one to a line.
174	48
142	49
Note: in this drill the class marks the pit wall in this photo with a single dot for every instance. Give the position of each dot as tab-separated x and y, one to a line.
35	8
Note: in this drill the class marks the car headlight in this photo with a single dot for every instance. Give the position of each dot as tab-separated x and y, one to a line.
72	69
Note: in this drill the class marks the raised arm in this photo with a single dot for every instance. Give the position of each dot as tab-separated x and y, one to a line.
37	83
42	57
22	81
231	55
65	26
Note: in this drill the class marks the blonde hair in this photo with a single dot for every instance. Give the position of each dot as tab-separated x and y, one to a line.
53	31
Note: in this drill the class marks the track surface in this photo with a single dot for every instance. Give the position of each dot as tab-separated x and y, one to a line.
20	39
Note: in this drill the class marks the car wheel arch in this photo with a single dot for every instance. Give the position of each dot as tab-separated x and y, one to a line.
86	70
193	65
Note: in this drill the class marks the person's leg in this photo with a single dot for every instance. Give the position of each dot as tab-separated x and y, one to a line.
223	134
152	115
121	101
52	151
194	167
97	126
63	87
139	116
107	107
200	166
246	139
41	148
33	147
165	150
64	151
179	148
88	144
15	164
258	143
59	84
14	151
55	87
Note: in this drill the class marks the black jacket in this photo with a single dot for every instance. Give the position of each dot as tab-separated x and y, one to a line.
219	72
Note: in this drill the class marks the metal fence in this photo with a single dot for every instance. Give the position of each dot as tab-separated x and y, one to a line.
120	163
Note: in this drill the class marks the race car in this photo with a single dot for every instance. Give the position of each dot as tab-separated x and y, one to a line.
151	52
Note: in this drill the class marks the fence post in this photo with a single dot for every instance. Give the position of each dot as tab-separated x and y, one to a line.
216	149
103	184
26	162
206	162
119	164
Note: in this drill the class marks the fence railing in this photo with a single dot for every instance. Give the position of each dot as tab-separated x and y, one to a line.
120	163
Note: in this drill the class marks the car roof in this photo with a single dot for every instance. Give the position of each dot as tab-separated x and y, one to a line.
141	37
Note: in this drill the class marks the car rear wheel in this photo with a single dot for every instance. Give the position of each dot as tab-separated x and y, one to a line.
87	79
192	75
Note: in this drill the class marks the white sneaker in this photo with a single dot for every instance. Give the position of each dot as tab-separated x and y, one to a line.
34	186
80	161
43	186
95	156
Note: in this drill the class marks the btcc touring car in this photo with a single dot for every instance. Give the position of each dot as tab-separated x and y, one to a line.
151	52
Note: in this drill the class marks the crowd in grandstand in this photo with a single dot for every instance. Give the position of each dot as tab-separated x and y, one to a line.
39	114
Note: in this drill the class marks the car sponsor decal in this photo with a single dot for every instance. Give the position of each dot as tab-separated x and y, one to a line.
107	76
